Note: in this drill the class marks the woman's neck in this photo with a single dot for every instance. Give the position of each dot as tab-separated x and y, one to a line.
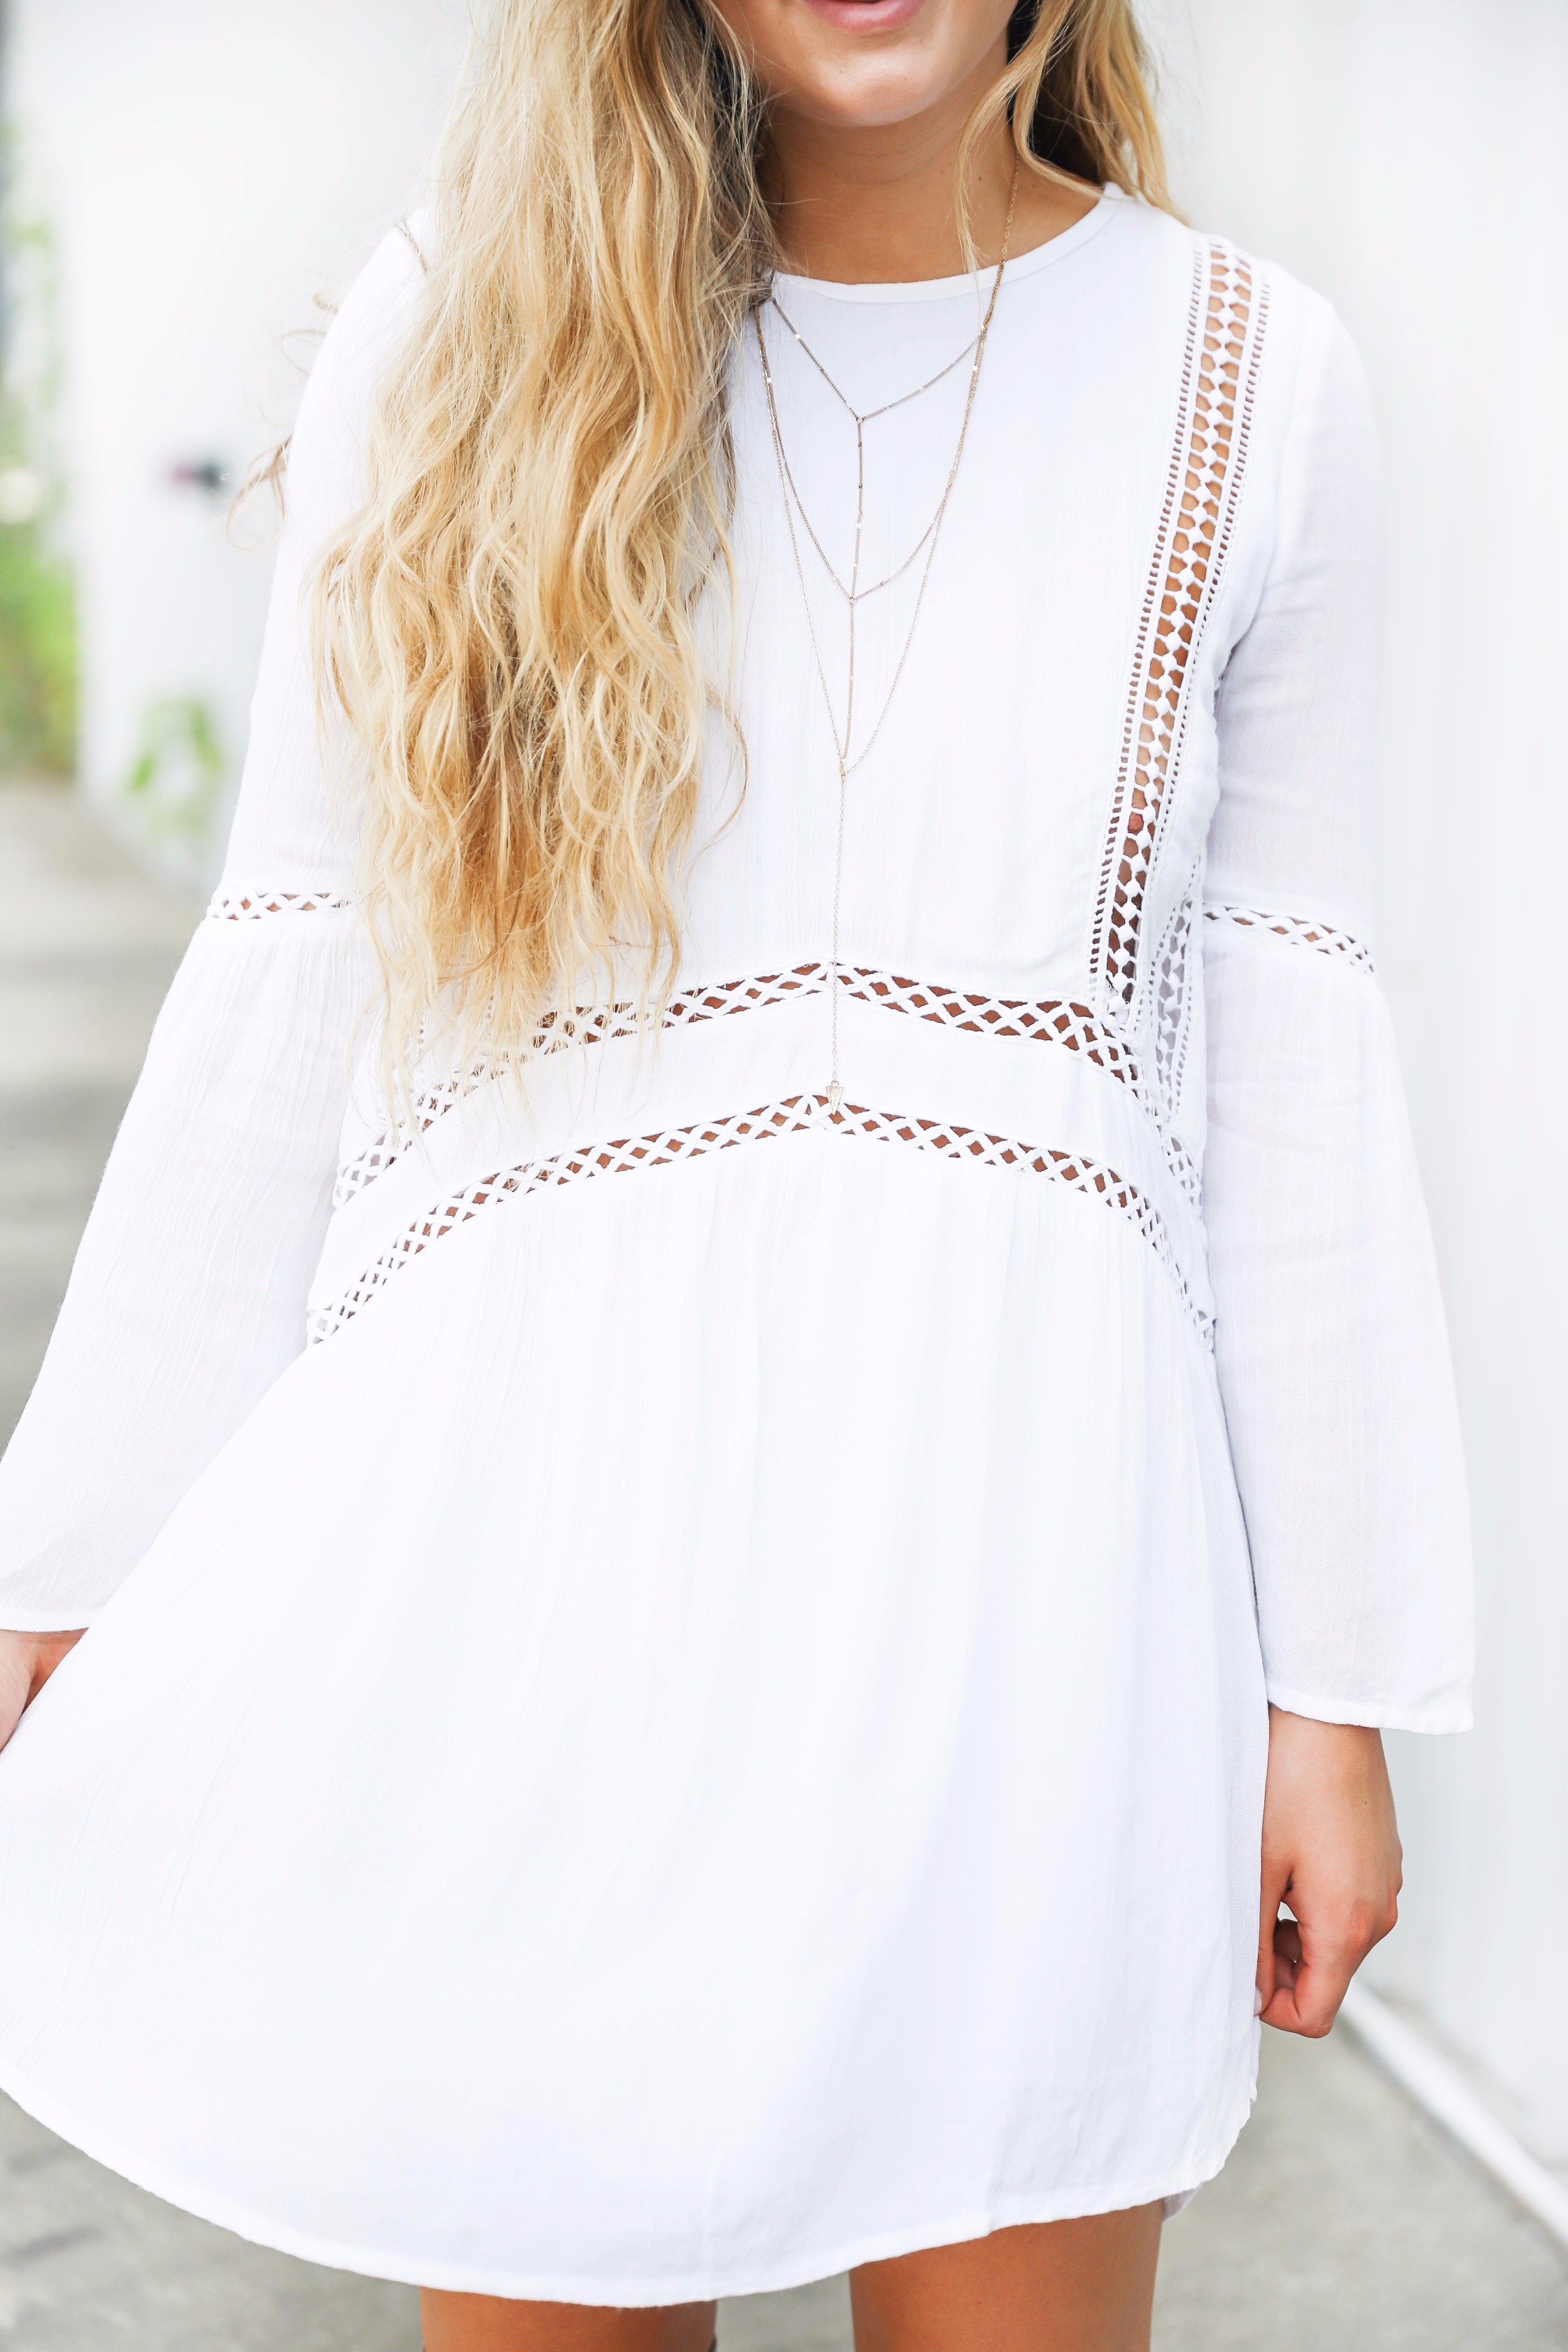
879	205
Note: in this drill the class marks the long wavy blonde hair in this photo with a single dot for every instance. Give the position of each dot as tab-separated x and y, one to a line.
512	622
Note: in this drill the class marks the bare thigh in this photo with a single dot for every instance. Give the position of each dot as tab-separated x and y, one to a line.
1062	2286
1058	2286
490	2323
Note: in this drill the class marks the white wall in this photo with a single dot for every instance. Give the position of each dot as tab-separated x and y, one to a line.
1409	158
208	165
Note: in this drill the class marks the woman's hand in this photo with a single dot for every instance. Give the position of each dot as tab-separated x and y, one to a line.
1331	1850
26	1661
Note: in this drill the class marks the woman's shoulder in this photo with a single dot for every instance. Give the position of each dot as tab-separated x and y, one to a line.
1283	340
379	298
1199	256
369	321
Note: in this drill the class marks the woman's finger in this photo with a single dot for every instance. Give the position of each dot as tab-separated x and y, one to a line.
1318	1977
1313	1966
1276	1879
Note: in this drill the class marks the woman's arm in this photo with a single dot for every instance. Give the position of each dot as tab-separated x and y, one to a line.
1331	1345
187	1299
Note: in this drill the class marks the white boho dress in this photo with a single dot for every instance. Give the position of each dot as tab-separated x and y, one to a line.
675	1696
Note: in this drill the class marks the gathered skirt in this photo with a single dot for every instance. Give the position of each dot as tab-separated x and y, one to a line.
713	1733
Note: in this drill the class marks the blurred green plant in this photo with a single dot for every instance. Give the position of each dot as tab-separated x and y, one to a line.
38	655
176	778
37	599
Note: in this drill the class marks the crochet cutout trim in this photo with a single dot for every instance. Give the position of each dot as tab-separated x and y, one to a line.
250	907
795	1115
1056	1021
1225	323
1301	932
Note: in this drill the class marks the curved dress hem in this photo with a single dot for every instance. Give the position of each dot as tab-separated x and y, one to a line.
1173	2189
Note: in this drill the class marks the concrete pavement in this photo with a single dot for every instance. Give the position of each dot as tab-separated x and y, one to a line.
1342	2218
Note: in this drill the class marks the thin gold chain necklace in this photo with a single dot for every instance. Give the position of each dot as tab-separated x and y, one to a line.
843	744
850	591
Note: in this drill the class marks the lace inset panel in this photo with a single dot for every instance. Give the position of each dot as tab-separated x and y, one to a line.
1174	994
251	907
799	1114
1055	1022
1301	932
591	1025
1224	331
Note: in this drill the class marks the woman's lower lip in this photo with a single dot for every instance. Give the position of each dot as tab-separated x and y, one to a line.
866	16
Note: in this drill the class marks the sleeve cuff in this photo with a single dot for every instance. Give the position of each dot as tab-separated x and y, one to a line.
1444	1714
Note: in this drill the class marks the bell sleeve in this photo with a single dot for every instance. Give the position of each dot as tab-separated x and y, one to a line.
1331	1351
187	1298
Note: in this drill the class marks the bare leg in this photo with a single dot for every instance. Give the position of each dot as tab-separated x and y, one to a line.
1060	2286
492	2323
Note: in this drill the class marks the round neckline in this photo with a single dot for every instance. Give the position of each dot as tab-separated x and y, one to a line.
946	290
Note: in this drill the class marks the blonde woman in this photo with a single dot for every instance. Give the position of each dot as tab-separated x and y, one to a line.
755	1424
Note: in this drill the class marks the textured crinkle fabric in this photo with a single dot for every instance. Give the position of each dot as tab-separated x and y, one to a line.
676	1691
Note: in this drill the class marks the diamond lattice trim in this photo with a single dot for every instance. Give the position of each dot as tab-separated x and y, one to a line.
251	907
1055	1022
1300	932
797	1115
1208	458
593	1025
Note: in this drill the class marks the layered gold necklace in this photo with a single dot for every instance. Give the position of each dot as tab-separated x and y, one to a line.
847	755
